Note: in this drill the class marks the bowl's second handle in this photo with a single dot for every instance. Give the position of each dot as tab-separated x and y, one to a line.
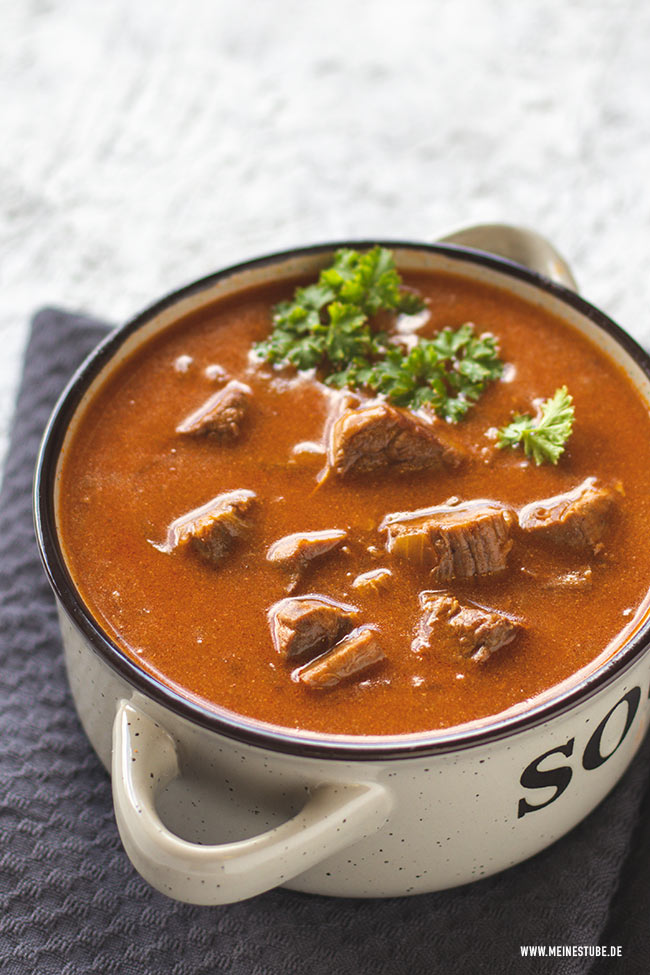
517	244
145	761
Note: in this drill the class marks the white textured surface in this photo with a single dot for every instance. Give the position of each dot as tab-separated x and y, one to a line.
145	144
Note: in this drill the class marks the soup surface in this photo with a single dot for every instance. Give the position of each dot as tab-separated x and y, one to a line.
481	642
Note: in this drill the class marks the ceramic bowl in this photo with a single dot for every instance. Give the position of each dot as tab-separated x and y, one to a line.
213	807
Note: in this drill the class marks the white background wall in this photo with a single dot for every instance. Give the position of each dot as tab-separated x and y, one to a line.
143	144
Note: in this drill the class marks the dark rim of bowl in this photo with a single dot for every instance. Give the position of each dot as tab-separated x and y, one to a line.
249	731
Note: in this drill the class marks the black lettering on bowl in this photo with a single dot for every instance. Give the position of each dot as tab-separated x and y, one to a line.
592	758
535	778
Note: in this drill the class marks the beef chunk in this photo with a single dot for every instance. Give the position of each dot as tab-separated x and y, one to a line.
374	581
308	624
476	632
221	416
352	657
212	530
577	519
457	541
295	552
380	436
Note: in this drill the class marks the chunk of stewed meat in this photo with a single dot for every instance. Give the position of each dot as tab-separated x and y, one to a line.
213	529
381	436
577	518
352	657
456	541
221	416
311	624
374	581
475	632
294	552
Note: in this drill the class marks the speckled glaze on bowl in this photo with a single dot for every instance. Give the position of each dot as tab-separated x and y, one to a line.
213	807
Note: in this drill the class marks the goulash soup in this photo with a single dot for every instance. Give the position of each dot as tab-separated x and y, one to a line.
362	505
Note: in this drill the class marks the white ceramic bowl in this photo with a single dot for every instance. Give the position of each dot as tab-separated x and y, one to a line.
213	807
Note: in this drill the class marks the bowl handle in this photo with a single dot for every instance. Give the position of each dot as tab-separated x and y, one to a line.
516	244
145	761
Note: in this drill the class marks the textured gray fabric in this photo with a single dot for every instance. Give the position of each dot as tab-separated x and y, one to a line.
71	903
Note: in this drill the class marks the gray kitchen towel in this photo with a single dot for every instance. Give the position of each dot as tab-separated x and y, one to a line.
71	904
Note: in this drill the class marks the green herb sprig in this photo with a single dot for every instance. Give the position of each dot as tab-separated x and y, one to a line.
543	438
447	373
328	326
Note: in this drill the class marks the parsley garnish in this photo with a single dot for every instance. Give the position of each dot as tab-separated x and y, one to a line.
328	326
544	437
447	373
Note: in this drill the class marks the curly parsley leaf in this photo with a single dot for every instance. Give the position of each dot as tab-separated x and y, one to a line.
347	333
447	373
369	281
327	323
542	438
329	326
